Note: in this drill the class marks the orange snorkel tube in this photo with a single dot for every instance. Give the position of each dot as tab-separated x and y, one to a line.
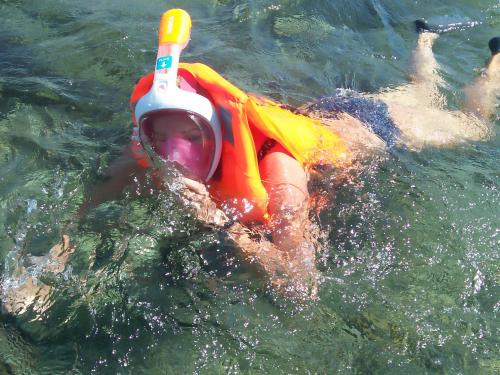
173	36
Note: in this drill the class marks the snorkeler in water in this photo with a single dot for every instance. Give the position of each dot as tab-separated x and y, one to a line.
240	162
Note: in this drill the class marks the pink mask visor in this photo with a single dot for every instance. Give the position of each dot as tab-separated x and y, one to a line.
181	137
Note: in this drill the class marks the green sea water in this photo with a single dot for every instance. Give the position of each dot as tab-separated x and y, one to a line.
411	274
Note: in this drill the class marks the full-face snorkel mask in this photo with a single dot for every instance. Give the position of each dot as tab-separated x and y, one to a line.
179	126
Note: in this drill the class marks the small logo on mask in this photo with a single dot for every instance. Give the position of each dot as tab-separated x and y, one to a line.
164	62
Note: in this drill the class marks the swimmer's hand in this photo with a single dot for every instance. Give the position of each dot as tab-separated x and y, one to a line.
31	293
57	258
196	196
60	255
283	275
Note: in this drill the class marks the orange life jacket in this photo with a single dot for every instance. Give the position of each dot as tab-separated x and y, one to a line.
247	122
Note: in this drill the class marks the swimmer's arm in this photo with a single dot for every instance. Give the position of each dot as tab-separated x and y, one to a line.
264	255
122	173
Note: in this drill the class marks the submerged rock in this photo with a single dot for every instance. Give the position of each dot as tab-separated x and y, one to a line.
309	27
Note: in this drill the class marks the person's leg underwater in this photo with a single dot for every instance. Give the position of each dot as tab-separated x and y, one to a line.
424	68
419	109
425	80
481	95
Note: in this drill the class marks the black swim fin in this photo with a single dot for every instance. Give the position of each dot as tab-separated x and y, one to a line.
494	45
423	27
